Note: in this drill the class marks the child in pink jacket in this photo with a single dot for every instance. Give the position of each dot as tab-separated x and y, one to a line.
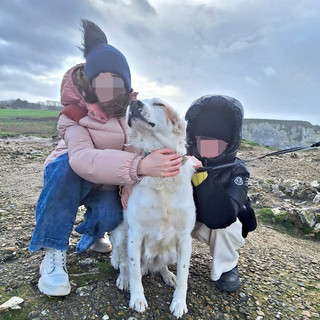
91	161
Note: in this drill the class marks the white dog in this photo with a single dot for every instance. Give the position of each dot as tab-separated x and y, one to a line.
160	216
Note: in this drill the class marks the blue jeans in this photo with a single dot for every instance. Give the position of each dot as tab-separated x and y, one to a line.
63	192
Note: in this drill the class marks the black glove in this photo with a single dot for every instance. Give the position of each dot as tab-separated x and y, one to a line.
248	219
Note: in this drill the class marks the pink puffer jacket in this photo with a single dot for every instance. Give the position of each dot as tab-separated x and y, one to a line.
96	145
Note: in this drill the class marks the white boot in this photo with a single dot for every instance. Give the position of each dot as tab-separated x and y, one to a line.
102	245
54	280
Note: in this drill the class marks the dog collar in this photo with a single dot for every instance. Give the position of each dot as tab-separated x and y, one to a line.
184	159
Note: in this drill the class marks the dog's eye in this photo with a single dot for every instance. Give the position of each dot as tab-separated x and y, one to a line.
158	104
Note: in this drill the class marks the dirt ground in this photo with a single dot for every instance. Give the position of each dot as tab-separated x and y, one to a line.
280	274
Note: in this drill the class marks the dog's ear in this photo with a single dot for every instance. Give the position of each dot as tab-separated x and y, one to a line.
179	126
170	115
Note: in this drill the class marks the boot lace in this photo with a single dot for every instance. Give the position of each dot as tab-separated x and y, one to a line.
58	260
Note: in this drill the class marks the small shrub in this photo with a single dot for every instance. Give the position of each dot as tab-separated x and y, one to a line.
250	143
279	221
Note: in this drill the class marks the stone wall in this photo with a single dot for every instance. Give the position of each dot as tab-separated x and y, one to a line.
280	134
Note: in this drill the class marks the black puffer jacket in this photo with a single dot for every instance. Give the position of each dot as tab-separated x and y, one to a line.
222	196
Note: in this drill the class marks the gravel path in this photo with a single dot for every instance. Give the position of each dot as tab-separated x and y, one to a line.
280	274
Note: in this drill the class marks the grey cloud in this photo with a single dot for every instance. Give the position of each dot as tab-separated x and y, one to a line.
228	50
144	7
264	53
36	39
139	33
50	27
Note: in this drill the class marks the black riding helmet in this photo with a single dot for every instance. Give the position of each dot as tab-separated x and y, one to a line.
218	117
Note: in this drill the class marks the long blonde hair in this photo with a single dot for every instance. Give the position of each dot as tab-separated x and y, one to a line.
116	107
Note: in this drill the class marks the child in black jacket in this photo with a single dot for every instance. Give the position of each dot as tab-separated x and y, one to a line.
224	214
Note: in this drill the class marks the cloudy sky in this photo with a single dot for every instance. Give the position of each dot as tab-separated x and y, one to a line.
265	53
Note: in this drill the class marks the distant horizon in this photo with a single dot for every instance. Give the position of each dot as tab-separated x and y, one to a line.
31	101
245	118
285	120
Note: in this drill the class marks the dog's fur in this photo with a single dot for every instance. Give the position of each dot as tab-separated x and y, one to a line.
160	216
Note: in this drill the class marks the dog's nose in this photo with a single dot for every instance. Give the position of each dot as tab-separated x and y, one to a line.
136	107
136	112
136	104
139	103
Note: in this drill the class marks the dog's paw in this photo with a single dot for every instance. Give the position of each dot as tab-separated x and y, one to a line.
169	278
123	282
138	303
178	308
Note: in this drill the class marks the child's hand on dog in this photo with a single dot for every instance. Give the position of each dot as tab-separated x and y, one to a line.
160	163
196	163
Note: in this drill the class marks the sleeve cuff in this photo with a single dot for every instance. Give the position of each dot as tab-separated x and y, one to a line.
134	169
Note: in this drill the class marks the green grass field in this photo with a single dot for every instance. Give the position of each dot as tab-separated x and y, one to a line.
28	122
32	113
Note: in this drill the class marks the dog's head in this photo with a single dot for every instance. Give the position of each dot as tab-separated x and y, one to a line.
154	125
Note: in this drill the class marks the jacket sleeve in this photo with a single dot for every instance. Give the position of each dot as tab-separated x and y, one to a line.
237	189
109	166
236	185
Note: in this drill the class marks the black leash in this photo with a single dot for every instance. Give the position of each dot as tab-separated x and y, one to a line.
276	153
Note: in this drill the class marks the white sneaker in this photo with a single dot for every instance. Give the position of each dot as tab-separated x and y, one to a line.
54	280
102	245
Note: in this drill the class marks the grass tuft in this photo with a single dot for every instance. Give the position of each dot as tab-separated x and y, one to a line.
279	221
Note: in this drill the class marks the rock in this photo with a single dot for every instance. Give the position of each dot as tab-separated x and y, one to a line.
34	315
12	303
86	262
243	297
276	211
281	134
315	184
316	199
302	217
308	216
316	228
84	291
306	313
242	310
298	189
